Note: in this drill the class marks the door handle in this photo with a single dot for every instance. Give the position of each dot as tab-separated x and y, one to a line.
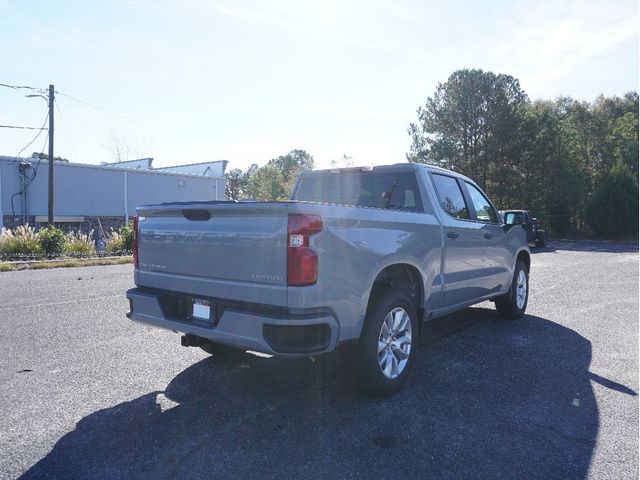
488	235
452	234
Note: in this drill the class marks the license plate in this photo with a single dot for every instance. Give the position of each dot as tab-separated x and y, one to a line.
201	309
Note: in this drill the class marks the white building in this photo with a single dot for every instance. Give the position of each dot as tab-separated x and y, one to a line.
85	193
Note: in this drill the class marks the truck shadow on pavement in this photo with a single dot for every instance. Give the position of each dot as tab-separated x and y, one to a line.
488	399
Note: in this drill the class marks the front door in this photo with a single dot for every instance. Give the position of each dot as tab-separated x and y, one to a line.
496	271
464	244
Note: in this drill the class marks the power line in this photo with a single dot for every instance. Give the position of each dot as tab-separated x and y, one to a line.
104	110
22	128
37	135
50	118
35	169
33	176
64	125
16	87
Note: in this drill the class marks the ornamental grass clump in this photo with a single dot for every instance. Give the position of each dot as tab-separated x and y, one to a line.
114	243
21	242
118	242
79	244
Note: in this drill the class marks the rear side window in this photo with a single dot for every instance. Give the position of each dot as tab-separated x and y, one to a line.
396	191
484	211
450	196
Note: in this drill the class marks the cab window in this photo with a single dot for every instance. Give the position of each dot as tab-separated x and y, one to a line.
450	196
484	211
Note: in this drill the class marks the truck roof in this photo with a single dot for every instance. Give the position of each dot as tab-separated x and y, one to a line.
371	168
435	168
406	166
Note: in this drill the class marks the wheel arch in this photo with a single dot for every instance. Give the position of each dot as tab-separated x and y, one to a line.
525	256
404	276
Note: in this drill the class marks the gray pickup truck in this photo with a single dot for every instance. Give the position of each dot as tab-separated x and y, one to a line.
359	257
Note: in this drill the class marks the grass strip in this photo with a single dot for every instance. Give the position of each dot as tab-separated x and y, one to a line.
64	263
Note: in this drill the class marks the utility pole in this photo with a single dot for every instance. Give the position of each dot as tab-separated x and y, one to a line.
51	100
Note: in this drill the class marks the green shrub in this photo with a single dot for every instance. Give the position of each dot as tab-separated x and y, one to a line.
613	209
51	241
79	245
126	233
19	242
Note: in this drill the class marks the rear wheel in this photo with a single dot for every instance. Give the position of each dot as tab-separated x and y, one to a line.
387	345
542	241
514	303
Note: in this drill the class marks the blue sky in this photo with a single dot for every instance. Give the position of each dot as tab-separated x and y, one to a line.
201	80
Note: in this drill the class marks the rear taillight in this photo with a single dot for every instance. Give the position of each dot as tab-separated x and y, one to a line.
302	262
134	242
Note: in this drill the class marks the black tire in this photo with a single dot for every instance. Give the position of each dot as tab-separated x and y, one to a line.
542	242
371	378
507	305
221	351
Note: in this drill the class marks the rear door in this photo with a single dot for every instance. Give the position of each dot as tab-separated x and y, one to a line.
464	244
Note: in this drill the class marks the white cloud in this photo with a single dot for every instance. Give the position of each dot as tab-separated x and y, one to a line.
364	150
545	42
347	23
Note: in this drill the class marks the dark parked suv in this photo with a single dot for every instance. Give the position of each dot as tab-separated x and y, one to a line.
535	231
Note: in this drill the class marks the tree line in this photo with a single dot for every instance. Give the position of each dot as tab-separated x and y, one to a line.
271	182
275	180
573	163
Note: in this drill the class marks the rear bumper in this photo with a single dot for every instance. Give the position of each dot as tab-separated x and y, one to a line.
268	331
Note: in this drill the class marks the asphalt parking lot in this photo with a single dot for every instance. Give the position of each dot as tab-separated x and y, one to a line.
86	393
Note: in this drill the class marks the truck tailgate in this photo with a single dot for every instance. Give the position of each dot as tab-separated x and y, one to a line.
235	251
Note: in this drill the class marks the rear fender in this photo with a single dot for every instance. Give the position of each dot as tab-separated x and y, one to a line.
424	292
